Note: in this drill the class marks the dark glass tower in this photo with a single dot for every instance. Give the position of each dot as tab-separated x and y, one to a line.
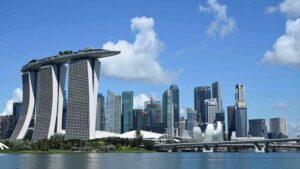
258	128
127	107
231	120
100	115
175	94
216	93
200	94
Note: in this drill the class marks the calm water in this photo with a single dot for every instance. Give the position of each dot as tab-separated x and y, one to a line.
151	161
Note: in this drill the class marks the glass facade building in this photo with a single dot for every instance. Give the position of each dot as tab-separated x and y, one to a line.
200	94
100	115
127	108
258	128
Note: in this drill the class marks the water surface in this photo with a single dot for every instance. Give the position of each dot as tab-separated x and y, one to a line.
151	161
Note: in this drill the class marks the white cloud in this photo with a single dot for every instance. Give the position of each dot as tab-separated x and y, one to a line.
138	60
271	9
288	7
286	49
138	101
222	23
17	96
294	129
281	106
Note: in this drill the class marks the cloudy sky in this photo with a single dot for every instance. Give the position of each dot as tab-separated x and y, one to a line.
189	43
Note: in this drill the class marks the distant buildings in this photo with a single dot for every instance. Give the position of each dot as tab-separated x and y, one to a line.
231	120
241	111
7	125
191	120
138	119
200	94
258	128
171	110
100	115
278	128
210	110
216	93
127	108
113	113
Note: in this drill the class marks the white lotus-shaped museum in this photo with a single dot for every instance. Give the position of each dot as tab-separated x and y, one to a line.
212	132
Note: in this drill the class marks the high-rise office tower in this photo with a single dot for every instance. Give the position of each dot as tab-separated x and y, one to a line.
138	119
231	120
171	110
210	110
278	128
49	104
241	111
82	98
200	94
152	112
175	94
182	127
109	111
258	128
170	115
113	113
191	120
216	93
127	108
100	115
117	114
26	116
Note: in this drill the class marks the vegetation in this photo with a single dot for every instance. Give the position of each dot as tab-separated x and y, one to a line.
58	144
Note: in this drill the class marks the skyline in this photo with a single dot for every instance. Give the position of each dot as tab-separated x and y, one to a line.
187	49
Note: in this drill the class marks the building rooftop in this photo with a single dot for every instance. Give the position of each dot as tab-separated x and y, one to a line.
67	56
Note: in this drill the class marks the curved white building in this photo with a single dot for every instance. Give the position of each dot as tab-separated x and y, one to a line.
43	87
49	103
28	80
212	133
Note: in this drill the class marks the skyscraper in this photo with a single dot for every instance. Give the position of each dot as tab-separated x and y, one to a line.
43	86
278	128
191	120
82	98
117	113
138	119
170	115
231	120
49	105
29	86
152	112
100	115
175	94
113	113
127	108
258	128
241	111
210	110
200	94
216	93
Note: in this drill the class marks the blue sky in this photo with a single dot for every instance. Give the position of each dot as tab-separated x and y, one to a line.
180	45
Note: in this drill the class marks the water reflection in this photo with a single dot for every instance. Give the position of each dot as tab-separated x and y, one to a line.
149	160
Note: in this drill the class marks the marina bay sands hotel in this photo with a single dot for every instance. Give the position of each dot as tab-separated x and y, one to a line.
43	90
